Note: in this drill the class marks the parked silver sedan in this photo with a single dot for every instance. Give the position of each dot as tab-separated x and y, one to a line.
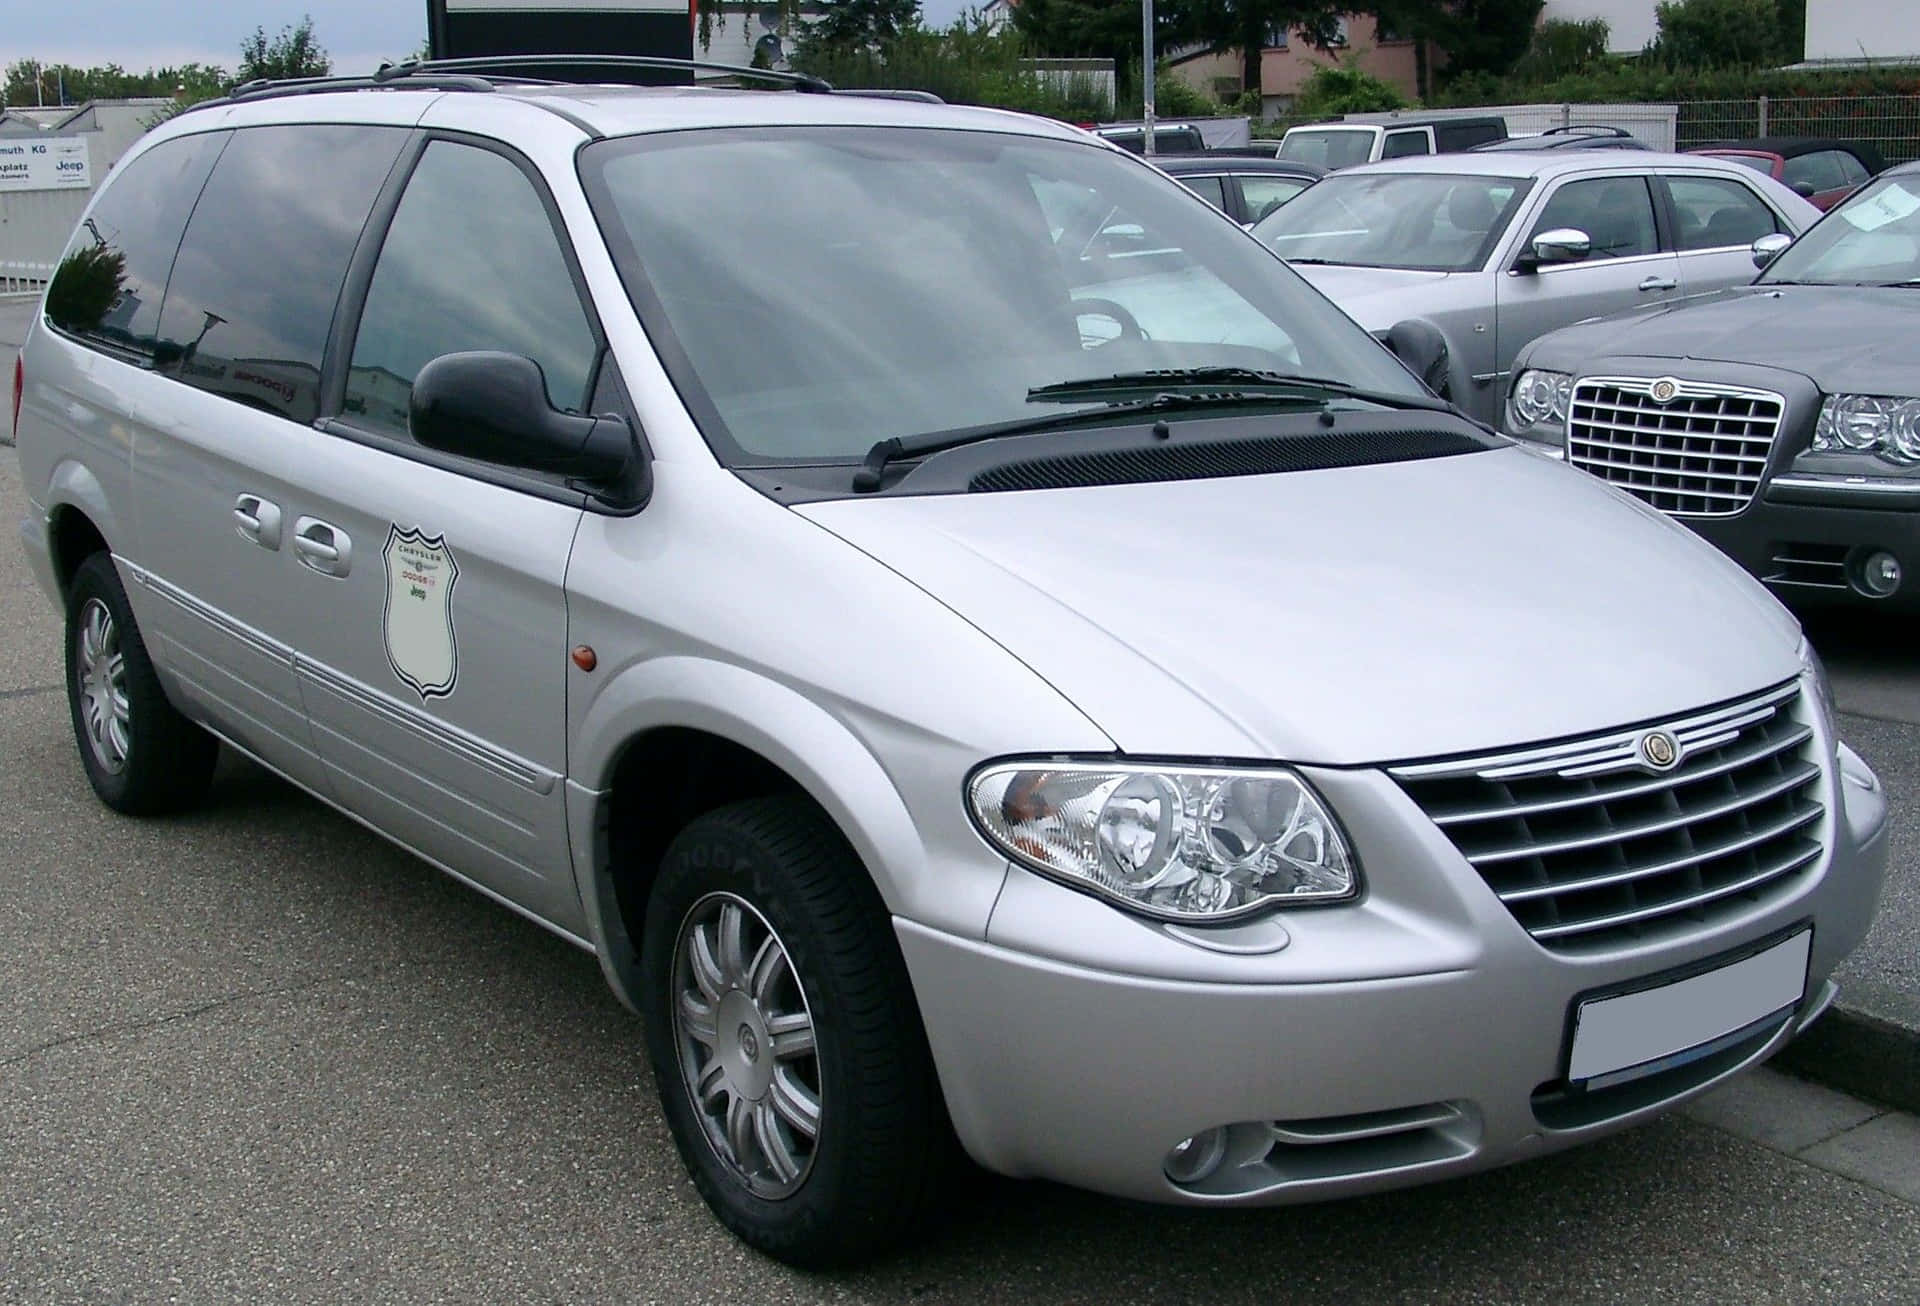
1497	249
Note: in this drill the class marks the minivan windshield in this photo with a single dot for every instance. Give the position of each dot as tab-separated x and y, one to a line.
1872	239
815	290
1433	222
1330	147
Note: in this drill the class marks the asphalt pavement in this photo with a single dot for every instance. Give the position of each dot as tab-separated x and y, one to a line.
257	1055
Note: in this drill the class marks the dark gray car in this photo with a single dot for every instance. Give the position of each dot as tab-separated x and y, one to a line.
1780	420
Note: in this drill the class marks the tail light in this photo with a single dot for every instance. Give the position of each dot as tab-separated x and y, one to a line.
19	391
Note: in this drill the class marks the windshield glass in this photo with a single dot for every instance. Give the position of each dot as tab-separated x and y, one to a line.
1330	148
1433	222
815	290
1873	239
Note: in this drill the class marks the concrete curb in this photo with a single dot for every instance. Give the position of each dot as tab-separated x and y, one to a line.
1859	1053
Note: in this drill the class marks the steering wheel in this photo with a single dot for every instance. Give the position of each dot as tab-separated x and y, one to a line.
1129	325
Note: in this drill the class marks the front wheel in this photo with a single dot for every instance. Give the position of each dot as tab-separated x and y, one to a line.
792	1067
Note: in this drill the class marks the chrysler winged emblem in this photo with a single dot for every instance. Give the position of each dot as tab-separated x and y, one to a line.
1664	390
1659	751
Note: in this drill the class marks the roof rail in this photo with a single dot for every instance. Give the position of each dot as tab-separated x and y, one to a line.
512	63
266	88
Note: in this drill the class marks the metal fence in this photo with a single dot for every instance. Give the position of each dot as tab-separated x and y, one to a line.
1891	122
24	278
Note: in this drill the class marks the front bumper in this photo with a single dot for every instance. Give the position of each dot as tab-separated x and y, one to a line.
1418	1034
1808	537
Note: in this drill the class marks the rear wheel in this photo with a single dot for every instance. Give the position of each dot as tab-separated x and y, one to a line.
141	756
791	1063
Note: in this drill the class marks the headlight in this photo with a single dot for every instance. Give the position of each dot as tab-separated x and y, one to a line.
1175	844
1539	399
1869	424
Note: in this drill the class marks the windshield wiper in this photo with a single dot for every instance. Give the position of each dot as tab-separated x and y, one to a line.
892	450
1247	381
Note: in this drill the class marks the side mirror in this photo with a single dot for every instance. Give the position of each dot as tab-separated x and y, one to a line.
1561	245
1769	247
494	407
1422	347
1804	189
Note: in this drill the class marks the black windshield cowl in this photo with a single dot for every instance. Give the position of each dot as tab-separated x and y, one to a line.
885	453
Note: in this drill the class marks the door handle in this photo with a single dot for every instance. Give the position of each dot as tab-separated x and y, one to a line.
257	519
1659	283
322	547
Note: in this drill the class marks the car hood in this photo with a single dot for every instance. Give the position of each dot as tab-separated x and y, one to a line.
1376	298
1342	616
1845	338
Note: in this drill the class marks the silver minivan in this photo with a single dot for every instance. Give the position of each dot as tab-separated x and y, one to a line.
755	537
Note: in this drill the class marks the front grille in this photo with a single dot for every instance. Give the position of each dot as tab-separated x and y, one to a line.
1589	849
1700	454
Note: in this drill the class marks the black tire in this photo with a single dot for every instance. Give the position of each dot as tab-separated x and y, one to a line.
166	760
884	1148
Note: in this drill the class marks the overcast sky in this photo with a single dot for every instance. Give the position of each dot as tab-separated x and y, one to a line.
142	34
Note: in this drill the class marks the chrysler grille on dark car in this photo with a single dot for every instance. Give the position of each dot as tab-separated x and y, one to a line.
1683	446
1590	844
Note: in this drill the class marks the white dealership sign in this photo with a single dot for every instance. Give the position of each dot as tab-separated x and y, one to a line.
44	163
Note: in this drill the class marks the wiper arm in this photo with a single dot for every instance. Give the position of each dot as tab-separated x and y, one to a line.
892	450
1240	380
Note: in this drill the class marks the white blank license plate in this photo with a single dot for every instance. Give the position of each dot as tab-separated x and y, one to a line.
1611	1035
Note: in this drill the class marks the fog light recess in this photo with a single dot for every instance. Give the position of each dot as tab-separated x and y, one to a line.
1878	574
1194	1159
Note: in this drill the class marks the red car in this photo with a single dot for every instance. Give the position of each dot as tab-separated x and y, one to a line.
1822	171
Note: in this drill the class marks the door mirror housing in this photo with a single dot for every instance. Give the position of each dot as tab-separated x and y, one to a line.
1561	245
493	407
1804	189
1769	247
1422	347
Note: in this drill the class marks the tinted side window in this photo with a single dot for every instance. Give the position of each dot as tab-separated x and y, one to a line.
110	282
1464	136
471	262
1821	170
1615	212
1714	214
1851	168
1211	189
1400	145
260	270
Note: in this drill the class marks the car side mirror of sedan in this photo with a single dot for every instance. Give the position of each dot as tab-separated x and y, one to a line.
1561	245
1769	247
1804	189
494	407
1423	348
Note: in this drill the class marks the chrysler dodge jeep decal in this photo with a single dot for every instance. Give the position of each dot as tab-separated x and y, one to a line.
418	620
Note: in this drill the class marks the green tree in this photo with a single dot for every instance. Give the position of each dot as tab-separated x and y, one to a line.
1717	33
863	24
1562	48
293	53
1100	29
1334	89
1249	26
1480	37
29	81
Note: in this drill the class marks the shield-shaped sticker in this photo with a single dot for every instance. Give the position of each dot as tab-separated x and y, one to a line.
418	621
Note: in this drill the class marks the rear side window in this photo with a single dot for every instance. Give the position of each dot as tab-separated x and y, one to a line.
1401	145
1262	195
470	262
109	284
1211	189
1822	170
260	269
1464	136
1715	214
